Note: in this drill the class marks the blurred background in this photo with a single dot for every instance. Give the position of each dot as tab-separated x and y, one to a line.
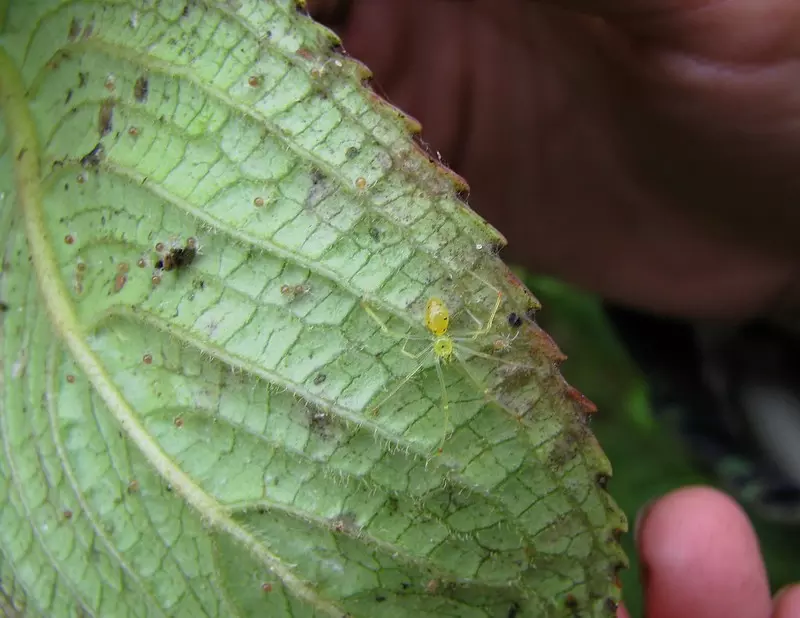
648	453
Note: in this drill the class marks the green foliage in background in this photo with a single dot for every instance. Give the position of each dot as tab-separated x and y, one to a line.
649	460
216	243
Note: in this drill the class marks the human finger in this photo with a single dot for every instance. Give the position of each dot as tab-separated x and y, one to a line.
701	558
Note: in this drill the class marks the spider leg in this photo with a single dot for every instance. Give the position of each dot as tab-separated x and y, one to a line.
411	354
386	330
490	321
445	402
374	410
472	352
484	329
475	380
473	317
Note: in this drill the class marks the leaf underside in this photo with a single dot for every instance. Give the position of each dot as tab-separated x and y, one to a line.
208	218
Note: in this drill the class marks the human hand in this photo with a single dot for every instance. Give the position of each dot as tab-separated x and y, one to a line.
700	558
643	149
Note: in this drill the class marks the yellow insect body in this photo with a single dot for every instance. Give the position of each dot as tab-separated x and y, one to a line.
437	316
443	348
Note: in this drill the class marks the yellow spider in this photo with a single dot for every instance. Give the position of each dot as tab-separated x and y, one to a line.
444	346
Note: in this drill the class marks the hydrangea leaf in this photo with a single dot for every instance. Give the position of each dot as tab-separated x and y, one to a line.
220	375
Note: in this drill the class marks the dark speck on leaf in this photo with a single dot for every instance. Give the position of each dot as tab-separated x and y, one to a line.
140	89
320	378
93	158
571	602
380	598
83	79
351	152
513	611
375	234
514	320
74	29
185	12
602	481
106	117
405	585
3	307
611	606
68	97
21	154
317	175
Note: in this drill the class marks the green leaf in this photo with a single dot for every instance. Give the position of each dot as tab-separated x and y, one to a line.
217	240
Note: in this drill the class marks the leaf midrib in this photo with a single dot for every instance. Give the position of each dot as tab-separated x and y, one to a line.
22	129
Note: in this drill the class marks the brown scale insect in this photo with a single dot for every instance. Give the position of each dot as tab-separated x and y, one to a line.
119	282
293	291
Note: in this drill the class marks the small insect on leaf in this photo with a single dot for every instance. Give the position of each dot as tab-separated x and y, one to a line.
178	258
293	292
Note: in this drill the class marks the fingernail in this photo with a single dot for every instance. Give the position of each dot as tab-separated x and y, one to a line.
641	516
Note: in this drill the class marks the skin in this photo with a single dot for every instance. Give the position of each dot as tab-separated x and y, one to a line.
701	558
642	149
